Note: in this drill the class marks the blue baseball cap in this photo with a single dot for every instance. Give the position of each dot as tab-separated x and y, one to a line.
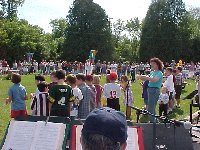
107	122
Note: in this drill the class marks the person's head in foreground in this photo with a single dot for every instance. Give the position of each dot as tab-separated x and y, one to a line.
104	129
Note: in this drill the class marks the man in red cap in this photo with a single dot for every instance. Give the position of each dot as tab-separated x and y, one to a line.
112	92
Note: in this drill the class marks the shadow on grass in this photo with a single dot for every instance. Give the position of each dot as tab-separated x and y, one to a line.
184	91
175	113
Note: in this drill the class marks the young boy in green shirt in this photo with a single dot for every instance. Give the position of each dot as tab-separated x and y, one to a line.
60	96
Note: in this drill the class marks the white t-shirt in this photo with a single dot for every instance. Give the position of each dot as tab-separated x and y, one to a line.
79	96
77	93
88	66
112	90
169	84
113	67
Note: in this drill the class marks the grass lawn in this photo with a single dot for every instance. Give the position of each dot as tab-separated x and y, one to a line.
29	82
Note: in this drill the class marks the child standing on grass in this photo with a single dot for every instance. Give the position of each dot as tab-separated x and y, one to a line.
89	82
78	96
60	96
127	96
112	92
84	106
99	90
17	96
163	102
178	86
38	79
169	84
40	104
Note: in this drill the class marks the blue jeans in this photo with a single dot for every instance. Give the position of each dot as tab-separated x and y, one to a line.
153	95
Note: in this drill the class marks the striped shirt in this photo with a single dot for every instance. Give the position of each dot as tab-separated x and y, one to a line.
40	104
179	79
128	96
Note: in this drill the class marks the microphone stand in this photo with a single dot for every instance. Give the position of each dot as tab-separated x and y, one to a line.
142	111
163	119
126	90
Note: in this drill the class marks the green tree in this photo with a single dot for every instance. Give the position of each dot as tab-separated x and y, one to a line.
118	29
88	29
18	37
165	32
9	8
59	26
194	25
126	37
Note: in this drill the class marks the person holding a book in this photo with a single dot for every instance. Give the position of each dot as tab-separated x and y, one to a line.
60	96
104	129
17	96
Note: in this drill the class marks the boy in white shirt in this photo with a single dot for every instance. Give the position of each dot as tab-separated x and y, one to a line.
169	84
112	92
78	96
163	102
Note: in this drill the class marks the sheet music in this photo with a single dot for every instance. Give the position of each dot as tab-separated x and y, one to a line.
24	135
49	137
132	141
21	135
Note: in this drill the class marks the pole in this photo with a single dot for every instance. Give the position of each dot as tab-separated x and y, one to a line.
127	88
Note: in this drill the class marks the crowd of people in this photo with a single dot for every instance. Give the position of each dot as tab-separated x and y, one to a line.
77	94
88	67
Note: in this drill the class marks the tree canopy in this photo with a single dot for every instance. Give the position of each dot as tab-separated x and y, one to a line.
88	29
9	8
18	37
169	31
165	31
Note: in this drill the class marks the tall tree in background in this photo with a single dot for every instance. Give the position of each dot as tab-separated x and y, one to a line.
18	38
126	37
9	8
165	31
59	26
88	29
194	22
